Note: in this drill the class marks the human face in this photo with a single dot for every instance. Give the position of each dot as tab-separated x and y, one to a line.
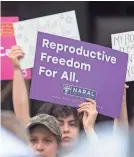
43	142
70	129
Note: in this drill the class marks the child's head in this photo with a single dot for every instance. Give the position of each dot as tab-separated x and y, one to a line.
45	135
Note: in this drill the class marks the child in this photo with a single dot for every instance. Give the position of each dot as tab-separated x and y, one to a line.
45	135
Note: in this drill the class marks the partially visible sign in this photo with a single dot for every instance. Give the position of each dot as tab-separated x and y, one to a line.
124	42
7	41
62	24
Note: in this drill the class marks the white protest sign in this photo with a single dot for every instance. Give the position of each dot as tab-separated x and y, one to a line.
62	24
124	42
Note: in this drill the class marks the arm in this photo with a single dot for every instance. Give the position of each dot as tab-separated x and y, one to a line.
20	94
123	119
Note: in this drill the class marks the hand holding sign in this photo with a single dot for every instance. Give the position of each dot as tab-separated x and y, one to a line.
89	114
15	55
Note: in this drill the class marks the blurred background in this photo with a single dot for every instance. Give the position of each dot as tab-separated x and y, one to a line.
96	22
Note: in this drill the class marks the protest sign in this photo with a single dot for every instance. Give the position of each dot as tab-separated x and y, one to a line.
7	41
62	24
124	42
67	71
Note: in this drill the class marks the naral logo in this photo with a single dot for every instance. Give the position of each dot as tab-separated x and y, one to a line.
67	89
79	91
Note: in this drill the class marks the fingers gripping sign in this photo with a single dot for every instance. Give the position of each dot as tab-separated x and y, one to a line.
89	113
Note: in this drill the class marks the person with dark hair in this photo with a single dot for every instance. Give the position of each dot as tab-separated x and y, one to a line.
71	123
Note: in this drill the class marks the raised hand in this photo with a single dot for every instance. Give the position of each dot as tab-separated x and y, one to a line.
15	55
89	114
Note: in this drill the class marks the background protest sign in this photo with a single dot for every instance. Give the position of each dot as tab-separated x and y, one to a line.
124	42
7	41
66	71
62	24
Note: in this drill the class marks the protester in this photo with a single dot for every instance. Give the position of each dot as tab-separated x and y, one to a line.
73	124
69	119
45	135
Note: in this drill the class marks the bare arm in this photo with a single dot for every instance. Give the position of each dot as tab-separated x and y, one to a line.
20	96
20	93
123	119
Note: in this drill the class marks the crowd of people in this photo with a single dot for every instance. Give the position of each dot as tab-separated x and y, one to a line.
58	130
